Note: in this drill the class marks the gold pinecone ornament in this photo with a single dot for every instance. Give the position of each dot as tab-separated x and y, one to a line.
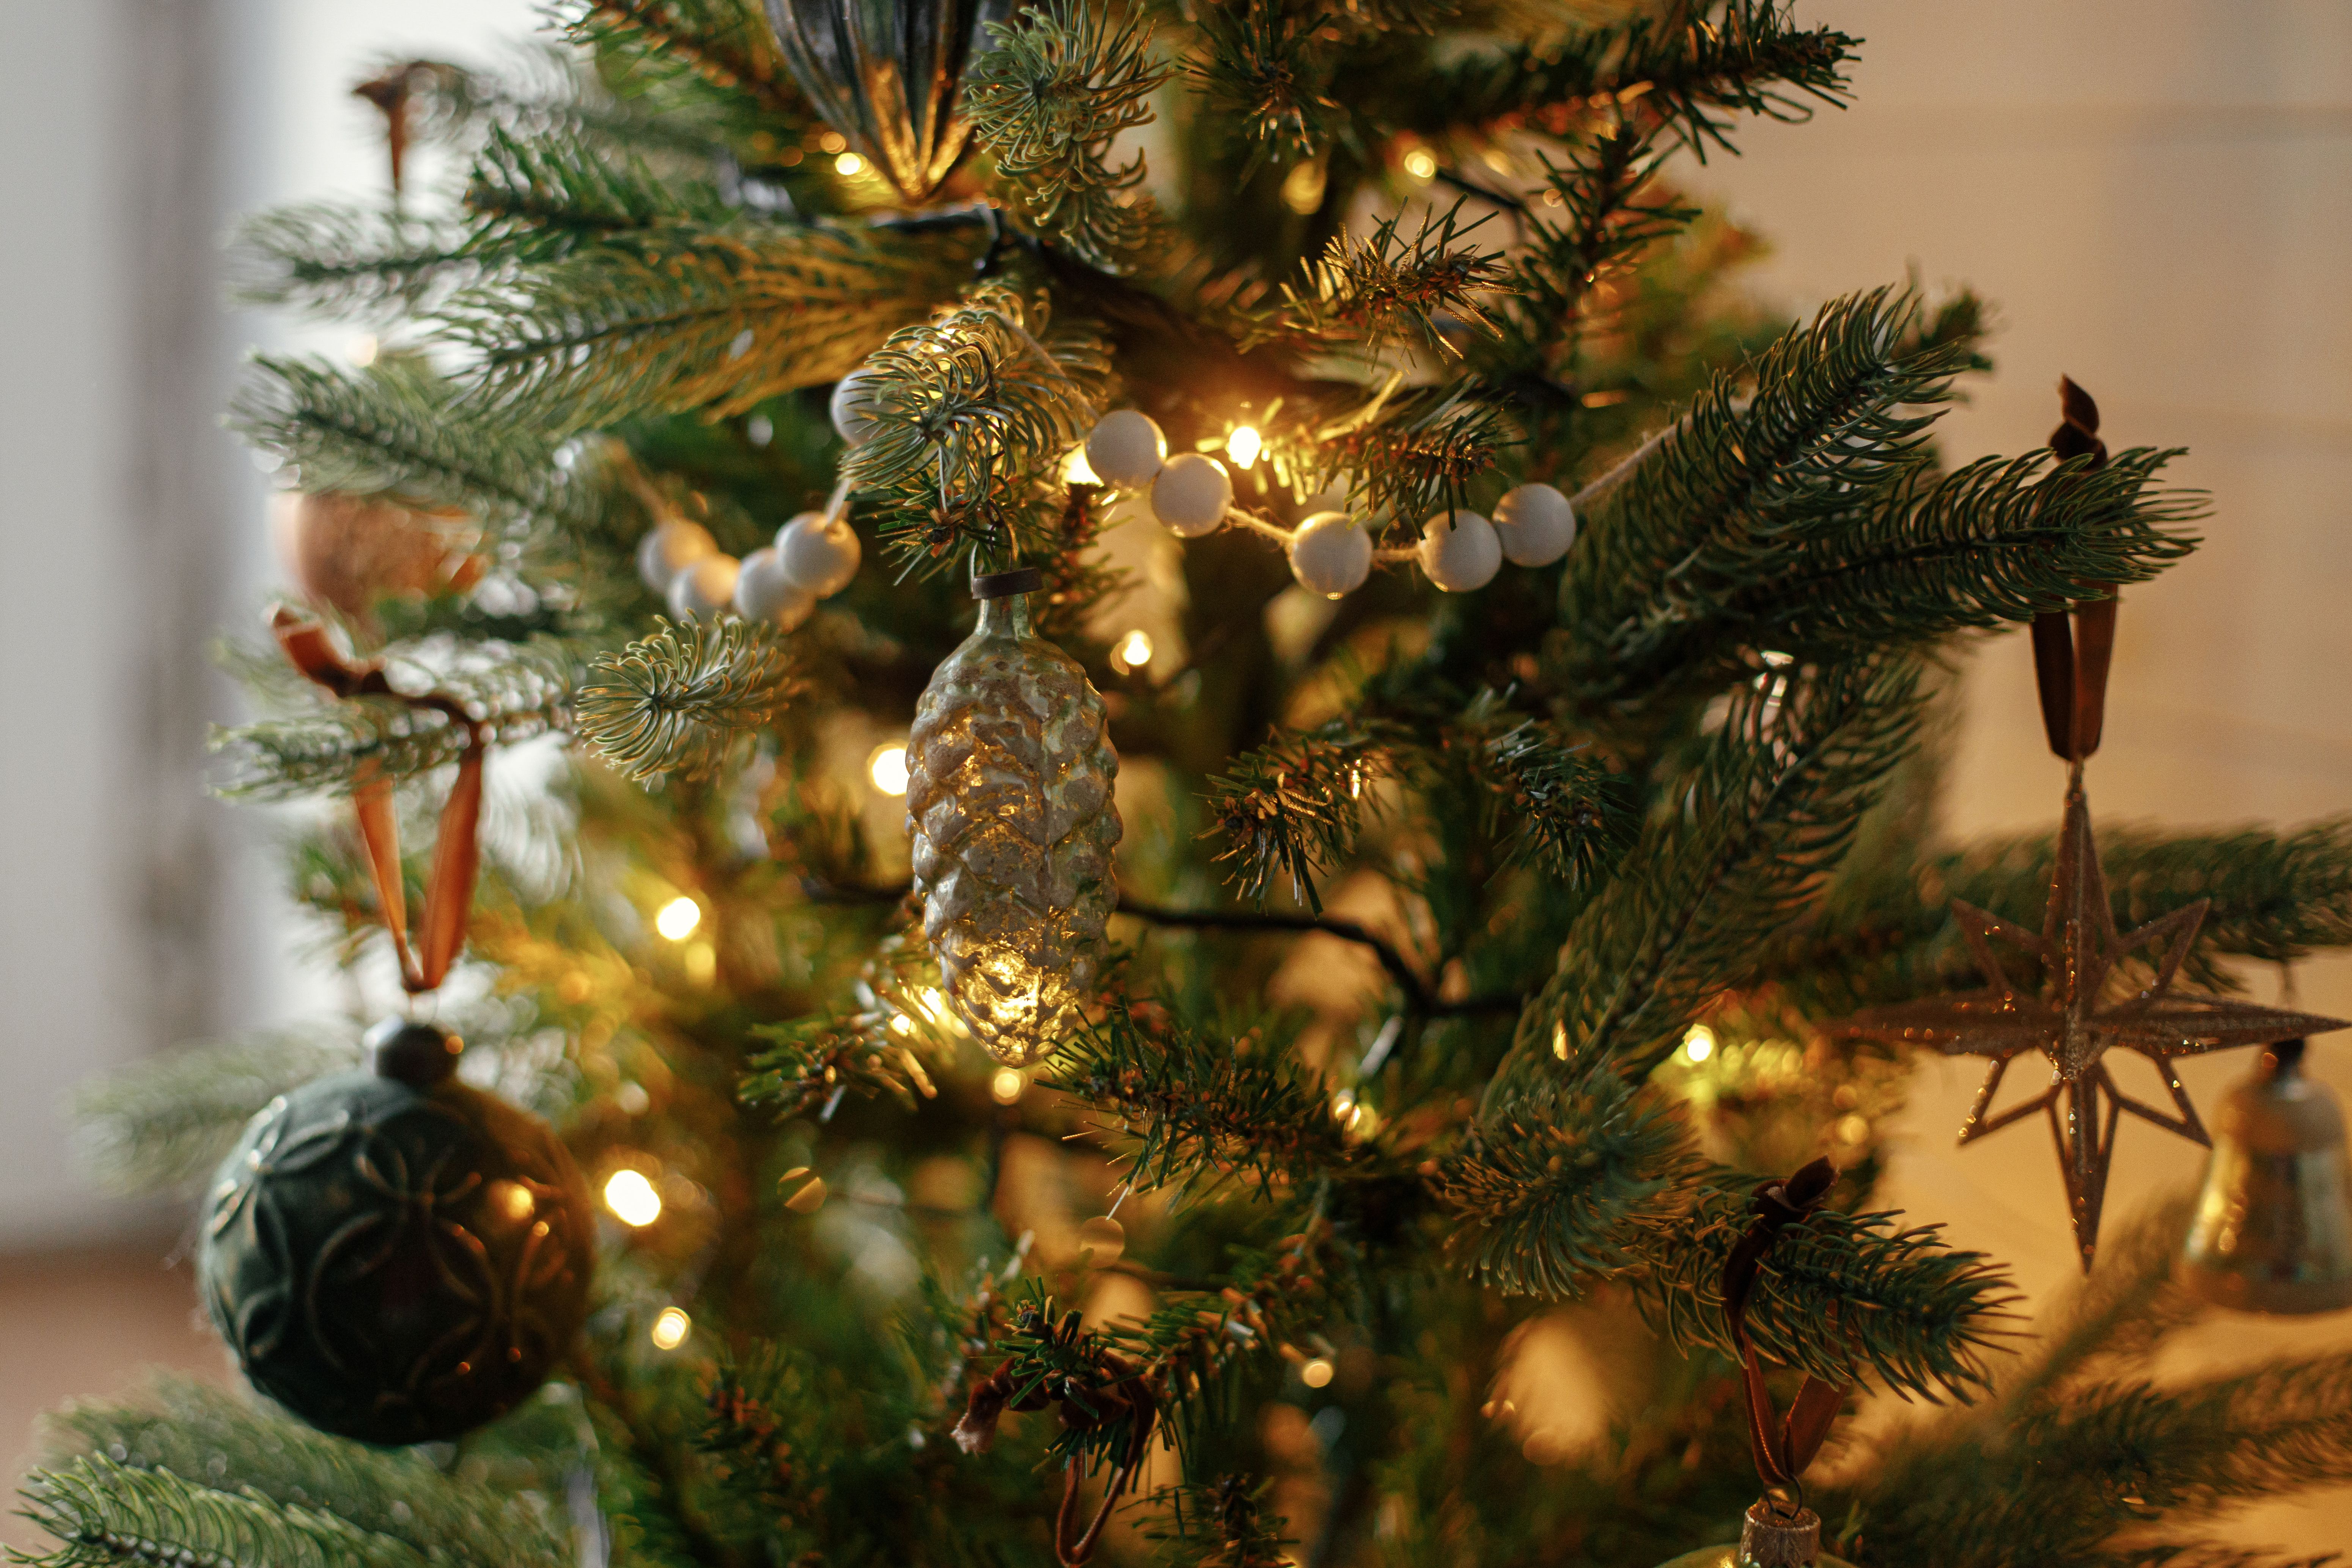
1009	770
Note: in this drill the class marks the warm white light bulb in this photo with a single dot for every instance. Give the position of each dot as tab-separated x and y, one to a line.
887	768
848	165
1315	1373
1699	1044
677	918
632	1198
1005	1085
1421	164
1134	651
1244	446
669	1329
362	350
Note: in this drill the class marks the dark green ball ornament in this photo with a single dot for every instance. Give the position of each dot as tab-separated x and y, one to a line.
393	1256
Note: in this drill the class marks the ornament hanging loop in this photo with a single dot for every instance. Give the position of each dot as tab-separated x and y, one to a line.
2073	647
456	851
1783	1448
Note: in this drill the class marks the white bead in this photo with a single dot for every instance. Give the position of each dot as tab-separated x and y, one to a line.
671	548
853	407
1127	449
704	588
763	592
1459	550
1190	495
1330	556
1536	524
821	557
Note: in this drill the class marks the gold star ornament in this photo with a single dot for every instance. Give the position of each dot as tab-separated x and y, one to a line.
2073	1025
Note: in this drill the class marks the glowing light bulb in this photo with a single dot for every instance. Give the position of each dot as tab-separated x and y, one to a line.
669	1329
1421	164
848	165
677	918
1244	446
1076	470
1133	652
362	350
1699	1044
887	768
632	1198
1006	1085
1315	1373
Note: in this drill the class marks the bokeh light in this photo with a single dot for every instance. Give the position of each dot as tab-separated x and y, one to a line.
632	1198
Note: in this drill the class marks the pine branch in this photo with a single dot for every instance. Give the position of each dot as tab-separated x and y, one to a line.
1060	85
2274	897
338	261
187	1438
1361	295
1769	812
1193	1111
324	748
1550	1204
395	427
1293	808
540	200
1223	1523
166	1122
677	701
867	1051
1418	454
971	415
1557	807
716	323
1841	1295
726	43
102	1513
1690	69
1263	71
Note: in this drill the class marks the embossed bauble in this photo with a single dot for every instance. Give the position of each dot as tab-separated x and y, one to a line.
1009	770
393	1256
886	74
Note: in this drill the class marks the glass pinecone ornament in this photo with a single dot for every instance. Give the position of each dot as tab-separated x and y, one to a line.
886	74
1010	771
1768	1538
393	1256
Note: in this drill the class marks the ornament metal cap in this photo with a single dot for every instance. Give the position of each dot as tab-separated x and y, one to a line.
2272	1231
1005	584
416	1054
1770	1539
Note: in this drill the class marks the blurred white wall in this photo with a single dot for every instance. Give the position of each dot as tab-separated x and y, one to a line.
134	911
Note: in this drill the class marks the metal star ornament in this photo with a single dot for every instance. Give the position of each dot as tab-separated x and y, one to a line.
2072	1024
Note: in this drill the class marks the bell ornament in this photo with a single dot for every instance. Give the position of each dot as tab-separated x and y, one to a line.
2272	1227
886	74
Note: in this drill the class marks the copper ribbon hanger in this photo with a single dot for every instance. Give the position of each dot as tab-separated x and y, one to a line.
1783	1448
2073	647
456	851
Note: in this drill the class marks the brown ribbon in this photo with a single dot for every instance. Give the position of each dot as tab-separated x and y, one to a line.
1783	1448
1125	1394
2072	648
457	852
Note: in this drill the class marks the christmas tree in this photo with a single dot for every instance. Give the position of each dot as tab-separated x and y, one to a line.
1335	749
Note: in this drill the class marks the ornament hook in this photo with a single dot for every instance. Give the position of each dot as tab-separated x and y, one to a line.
2073	647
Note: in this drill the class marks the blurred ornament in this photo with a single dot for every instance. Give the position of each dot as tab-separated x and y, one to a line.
1459	550
1009	804
1536	524
1127	449
1330	556
886	73
1190	495
668	548
820	554
2272	1231
853	406
765	591
393	1256
705	587
349	550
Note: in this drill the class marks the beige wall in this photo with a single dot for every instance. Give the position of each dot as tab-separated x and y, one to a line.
2157	195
